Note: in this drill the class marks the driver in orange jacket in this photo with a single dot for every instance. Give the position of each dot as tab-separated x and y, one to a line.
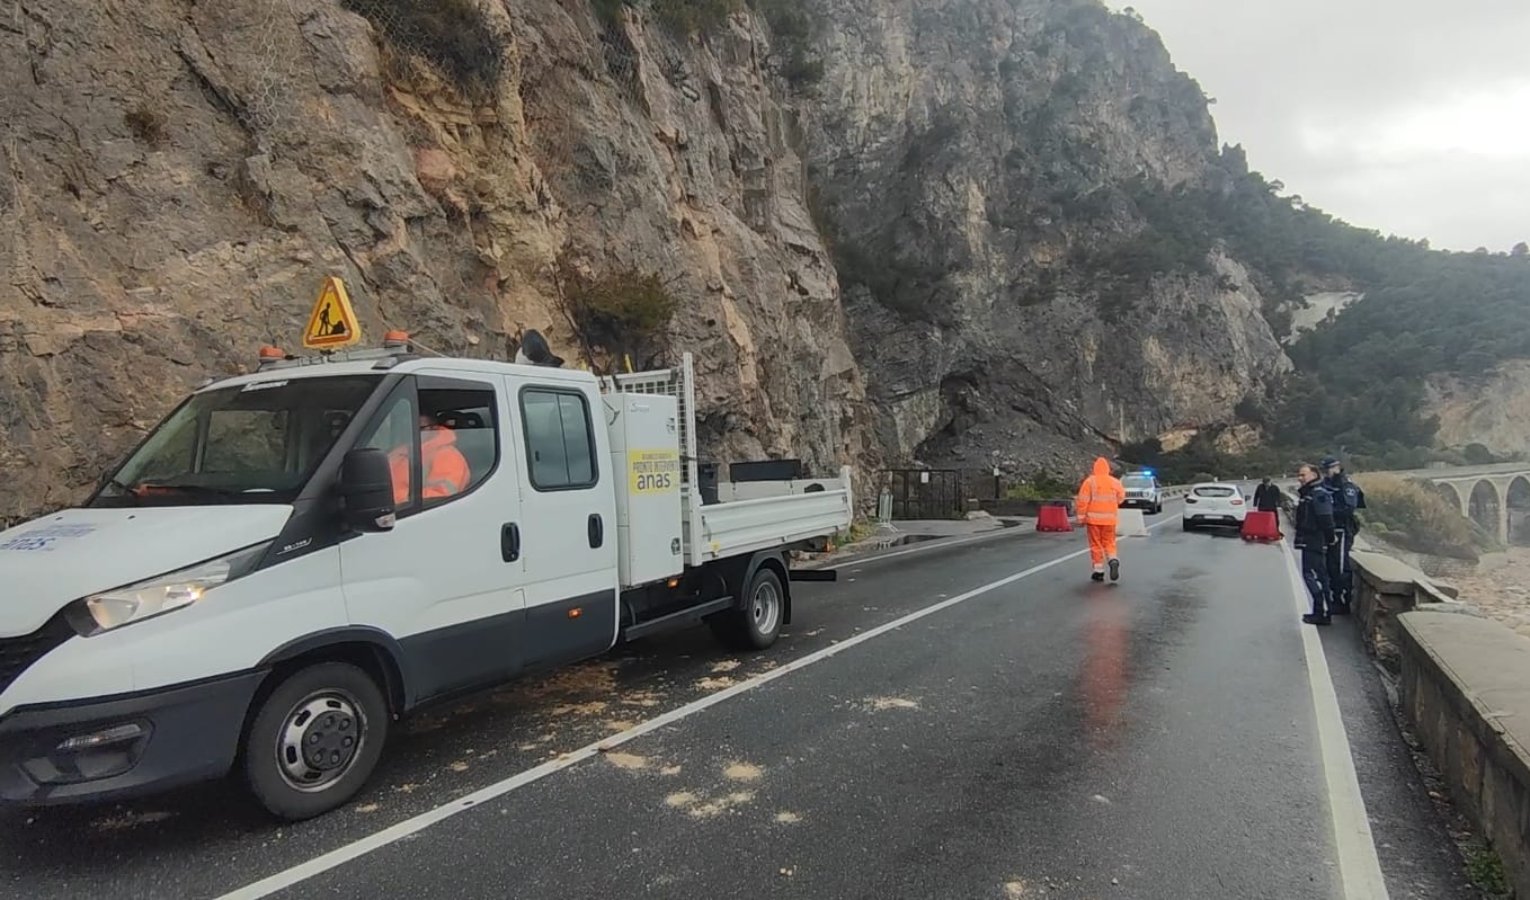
443	468
1099	499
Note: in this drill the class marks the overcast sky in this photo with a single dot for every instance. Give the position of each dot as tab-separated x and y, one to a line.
1409	116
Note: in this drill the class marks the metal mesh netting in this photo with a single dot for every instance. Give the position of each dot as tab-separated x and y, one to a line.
280	48
457	37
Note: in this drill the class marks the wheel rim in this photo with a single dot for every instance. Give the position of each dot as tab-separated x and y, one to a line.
320	739
765	607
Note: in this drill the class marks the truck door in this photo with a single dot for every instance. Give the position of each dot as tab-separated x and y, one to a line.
568	528
446	581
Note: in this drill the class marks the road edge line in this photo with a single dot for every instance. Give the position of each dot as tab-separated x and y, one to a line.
1359	865
337	857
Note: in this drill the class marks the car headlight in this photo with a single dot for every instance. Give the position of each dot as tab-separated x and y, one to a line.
162	594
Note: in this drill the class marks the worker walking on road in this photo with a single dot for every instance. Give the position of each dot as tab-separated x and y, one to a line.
1317	535
1099	499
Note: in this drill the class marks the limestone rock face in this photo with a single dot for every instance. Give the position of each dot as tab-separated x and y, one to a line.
969	157
178	178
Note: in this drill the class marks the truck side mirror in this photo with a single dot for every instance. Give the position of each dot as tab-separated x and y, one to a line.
366	489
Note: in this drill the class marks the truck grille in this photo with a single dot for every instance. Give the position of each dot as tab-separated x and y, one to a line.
18	653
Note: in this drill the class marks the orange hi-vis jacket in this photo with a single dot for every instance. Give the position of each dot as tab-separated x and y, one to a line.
445	469
1100	496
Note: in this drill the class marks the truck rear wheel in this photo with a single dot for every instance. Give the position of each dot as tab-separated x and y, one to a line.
757	623
315	740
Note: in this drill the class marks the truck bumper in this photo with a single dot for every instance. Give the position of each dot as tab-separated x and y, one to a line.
114	747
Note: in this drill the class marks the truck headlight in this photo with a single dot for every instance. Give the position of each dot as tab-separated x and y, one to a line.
162	594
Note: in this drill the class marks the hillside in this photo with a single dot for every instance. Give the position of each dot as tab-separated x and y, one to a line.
959	232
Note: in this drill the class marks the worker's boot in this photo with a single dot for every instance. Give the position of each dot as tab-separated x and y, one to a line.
1097	576
1115	570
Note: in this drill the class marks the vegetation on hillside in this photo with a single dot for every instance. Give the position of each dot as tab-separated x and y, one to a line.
1410	516
1360	377
454	35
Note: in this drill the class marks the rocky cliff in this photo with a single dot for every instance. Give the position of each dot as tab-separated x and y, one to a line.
180	175
977	164
1492	409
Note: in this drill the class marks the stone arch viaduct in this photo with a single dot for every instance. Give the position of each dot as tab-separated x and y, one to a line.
1496	497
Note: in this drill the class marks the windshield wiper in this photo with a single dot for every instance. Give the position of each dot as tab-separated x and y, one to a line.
195	489
124	491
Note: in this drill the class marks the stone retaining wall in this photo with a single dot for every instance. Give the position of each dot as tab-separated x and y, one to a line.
1465	689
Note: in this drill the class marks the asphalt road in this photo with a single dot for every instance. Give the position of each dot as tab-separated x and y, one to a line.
1029	734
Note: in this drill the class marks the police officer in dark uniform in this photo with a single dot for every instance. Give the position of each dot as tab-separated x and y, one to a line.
1317	536
1347	500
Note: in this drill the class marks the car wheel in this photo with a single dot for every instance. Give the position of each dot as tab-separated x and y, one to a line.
757	624
315	740
1185	523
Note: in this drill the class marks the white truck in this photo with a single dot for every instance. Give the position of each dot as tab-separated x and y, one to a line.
295	558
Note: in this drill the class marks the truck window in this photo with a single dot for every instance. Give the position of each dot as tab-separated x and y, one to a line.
452	442
256	442
560	448
396	434
459	440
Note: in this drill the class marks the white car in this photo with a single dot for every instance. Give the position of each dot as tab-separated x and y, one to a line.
1214	503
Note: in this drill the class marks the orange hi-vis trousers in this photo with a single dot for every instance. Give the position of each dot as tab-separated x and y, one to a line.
1102	544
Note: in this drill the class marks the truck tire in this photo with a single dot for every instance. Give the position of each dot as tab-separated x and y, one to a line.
315	740
756	624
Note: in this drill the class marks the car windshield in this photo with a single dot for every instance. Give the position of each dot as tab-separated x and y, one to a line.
1138	481
1215	491
254	443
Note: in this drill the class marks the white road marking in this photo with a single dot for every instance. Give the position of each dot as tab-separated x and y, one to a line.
1359	866
376	841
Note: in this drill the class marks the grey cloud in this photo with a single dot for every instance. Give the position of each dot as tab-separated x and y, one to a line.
1282	68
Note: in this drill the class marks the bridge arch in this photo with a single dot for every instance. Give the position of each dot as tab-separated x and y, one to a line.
1450	493
1484	507
1517	503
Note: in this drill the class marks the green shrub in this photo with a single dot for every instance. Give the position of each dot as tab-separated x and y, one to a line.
619	310
1416	518
454	35
1042	487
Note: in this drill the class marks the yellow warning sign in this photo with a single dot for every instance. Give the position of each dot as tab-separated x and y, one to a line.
653	471
332	324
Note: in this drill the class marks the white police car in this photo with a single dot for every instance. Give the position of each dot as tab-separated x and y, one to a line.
1143	491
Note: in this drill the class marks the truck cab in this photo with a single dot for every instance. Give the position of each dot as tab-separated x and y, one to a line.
297	556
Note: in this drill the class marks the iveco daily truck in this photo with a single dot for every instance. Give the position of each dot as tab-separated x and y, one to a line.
297	557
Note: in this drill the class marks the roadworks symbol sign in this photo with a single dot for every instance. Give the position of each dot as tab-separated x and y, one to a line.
332	324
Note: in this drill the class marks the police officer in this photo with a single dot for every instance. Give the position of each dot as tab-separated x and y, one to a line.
1317	536
1347	499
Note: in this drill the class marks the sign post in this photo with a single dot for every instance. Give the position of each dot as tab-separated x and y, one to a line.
332	324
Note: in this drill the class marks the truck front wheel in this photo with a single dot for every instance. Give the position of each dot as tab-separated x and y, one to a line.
315	740
757	623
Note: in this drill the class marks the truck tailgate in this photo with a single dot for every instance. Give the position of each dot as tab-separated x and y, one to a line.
721	530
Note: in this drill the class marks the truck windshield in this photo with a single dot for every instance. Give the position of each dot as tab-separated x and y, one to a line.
1138	481
254	443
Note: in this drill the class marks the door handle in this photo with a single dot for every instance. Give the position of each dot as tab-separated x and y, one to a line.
597	531
510	542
